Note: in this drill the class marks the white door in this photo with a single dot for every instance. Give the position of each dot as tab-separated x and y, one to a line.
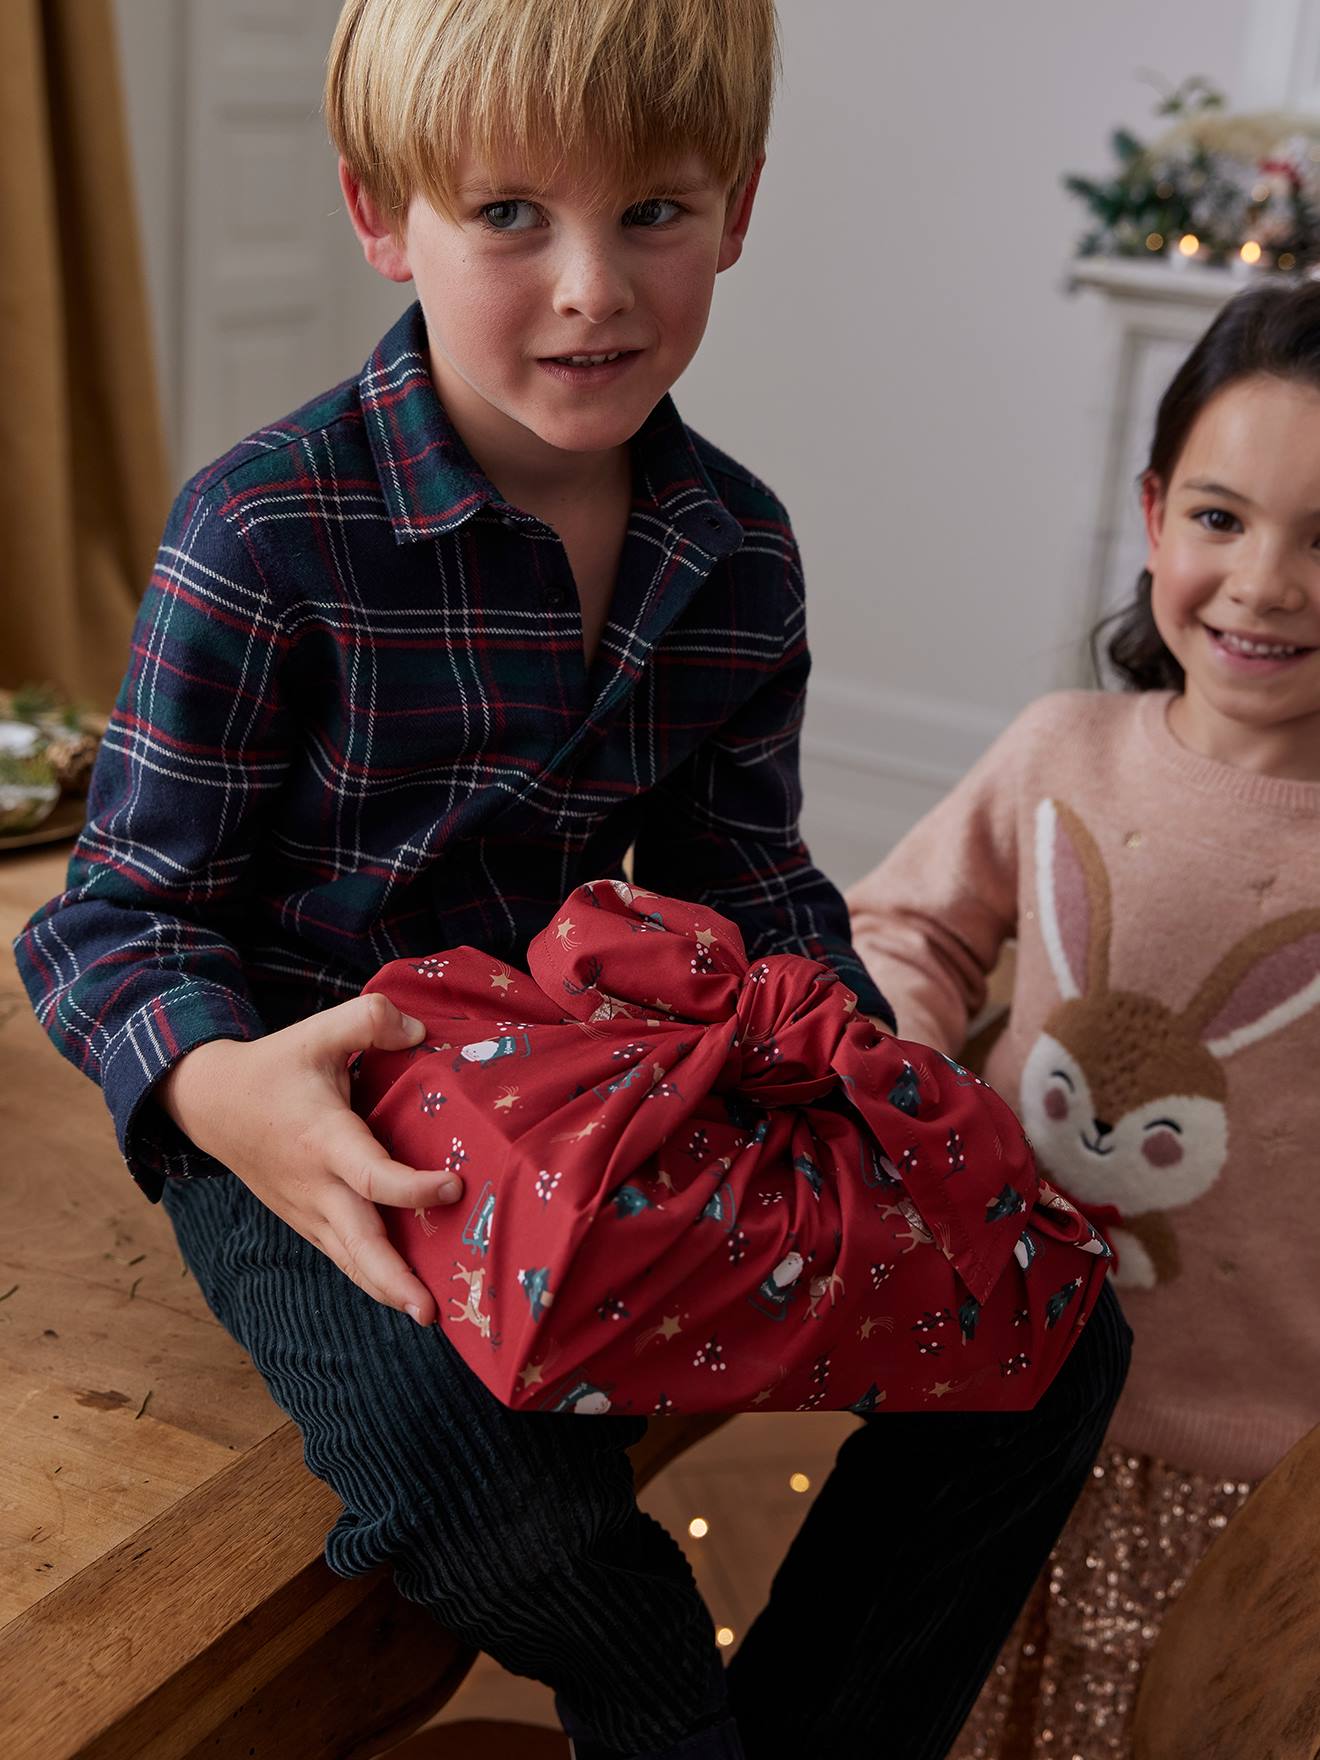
275	302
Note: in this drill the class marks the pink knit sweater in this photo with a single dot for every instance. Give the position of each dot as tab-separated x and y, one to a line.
1163	1046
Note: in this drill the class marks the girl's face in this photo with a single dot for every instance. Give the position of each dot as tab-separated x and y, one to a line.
1234	557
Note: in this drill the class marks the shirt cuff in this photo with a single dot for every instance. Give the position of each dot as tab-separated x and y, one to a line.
150	1042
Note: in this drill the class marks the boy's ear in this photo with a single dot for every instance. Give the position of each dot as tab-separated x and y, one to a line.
1152	513
739	218
386	253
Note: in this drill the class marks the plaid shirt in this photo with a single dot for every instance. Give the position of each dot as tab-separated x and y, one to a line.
357	725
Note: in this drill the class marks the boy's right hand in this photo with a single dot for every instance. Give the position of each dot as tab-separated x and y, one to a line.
276	1112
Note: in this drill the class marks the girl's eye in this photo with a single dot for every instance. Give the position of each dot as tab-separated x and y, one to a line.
1218	519
653	212
511	216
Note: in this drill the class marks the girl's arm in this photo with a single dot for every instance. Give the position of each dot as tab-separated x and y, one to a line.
931	919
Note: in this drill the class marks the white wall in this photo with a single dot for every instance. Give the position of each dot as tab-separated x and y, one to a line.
894	353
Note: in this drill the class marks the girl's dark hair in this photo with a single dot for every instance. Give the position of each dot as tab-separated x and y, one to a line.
1272	329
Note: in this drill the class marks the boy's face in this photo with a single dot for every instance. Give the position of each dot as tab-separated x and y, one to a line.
523	295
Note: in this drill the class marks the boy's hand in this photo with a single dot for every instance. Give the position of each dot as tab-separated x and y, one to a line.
276	1112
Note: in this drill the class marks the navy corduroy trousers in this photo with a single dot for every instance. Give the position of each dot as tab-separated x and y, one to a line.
521	1532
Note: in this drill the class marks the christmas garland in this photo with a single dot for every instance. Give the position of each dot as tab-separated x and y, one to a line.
1214	188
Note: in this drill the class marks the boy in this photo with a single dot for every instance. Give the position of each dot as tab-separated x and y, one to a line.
413	664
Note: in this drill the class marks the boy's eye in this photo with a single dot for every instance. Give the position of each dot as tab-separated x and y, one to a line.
1217	519
510	216
654	211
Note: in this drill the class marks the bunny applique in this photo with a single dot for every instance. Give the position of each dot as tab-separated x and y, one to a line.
1124	1096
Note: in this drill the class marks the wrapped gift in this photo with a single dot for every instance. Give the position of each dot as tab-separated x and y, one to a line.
699	1183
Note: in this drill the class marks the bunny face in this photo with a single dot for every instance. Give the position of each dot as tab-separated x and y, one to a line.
1124	1097
1163	1152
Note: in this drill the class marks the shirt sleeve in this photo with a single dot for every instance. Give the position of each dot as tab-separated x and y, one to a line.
131	966
931	919
723	829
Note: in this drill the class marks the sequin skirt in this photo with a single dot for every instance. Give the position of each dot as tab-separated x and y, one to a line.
1066	1681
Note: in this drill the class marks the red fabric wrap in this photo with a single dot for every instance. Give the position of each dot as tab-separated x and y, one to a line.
695	1184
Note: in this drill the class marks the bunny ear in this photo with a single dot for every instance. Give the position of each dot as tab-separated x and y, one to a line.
1272	977
1072	893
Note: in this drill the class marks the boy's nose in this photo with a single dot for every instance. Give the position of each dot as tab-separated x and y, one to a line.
591	285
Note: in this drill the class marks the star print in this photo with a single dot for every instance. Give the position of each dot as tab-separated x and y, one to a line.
531	1375
507	1099
500	981
940	1389
664	1178
706	937
564	930
866	1328
670	1326
655	1002
759	1399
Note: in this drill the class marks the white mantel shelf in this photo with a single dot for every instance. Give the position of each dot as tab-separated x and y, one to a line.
1181	284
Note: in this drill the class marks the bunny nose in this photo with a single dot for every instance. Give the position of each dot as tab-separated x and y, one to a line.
1102	1129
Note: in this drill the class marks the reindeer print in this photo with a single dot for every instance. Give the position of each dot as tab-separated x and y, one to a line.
1123	1095
469	1306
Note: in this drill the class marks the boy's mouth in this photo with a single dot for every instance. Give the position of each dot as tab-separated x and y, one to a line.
589	369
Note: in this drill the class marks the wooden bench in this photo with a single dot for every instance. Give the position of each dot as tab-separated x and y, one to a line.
162	1590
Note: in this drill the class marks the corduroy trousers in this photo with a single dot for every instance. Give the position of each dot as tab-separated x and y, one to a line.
521	1531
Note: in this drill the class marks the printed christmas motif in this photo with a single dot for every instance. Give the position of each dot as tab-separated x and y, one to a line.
431	1101
469	1306
691	1194
629	1200
476	1230
780	1287
534	1286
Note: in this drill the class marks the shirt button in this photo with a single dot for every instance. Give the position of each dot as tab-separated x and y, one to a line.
714	521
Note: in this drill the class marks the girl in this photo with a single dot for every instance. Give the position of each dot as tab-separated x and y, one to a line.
1155	854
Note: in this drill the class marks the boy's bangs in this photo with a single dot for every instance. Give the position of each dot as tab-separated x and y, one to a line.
614	91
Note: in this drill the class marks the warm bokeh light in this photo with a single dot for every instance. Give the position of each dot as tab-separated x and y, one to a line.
1250	252
724	1637
799	1482
1287	260
1189	244
1154	241
698	1527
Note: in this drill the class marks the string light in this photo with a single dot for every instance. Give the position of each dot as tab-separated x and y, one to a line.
1287	260
698	1527
799	1482
1250	252
724	1637
1154	241
1189	244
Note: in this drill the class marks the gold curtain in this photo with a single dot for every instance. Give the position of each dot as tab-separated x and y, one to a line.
83	479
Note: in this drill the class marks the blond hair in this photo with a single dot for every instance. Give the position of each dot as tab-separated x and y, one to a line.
614	89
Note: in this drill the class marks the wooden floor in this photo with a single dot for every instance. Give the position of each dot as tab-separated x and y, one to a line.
738	1482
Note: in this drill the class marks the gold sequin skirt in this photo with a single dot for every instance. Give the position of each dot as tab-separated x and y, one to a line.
1065	1685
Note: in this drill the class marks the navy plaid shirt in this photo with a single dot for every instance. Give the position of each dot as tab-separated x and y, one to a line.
357	724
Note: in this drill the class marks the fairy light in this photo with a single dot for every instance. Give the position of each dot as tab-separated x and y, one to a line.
1287	260
1189	244
1154	241
724	1637
698	1527
1250	252
799	1482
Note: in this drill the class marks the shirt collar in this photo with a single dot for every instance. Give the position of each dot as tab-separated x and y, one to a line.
431	482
